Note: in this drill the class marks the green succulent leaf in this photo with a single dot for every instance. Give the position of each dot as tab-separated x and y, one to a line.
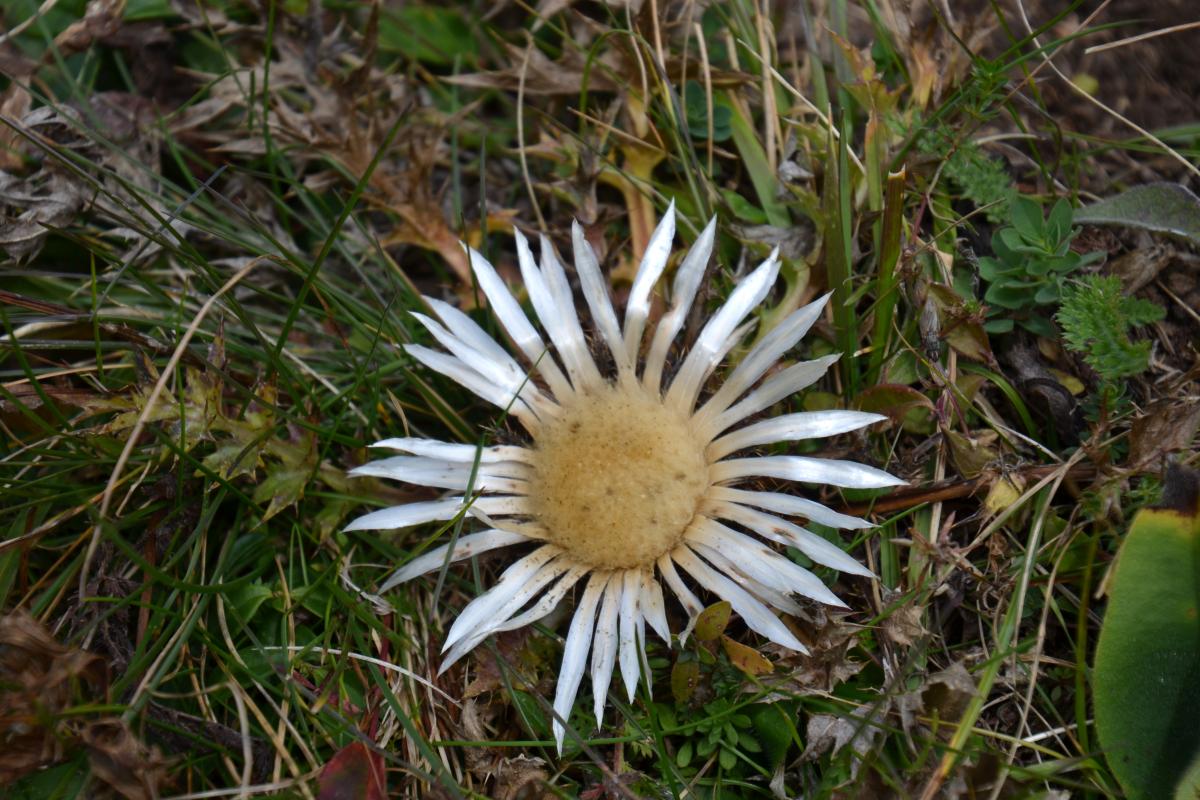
1146	676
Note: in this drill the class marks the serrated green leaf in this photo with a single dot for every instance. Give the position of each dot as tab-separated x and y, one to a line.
281	488
1096	316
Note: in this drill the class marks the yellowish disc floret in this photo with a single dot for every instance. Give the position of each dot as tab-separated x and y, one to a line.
617	477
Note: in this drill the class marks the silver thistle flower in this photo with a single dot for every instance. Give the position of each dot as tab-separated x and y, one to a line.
624	481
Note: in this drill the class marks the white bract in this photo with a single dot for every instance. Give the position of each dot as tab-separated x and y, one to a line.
624	480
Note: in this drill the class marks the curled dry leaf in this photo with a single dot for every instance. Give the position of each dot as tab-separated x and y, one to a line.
30	207
903	625
519	778
101	19
1167	427
943	696
829	638
826	733
543	76
38	675
42	681
118	759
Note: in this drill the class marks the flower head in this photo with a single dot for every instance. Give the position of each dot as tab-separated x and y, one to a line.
624	481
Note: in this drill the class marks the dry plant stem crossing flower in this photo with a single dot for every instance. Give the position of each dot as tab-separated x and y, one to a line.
624	481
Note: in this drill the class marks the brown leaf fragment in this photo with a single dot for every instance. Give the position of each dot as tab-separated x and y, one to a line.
826	733
14	104
829	639
1139	267
39	677
543	76
903	625
118	759
522	778
943	697
1169	426
511	648
972	453
101	19
31	207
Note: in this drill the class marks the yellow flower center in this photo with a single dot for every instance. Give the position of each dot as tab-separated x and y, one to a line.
617	477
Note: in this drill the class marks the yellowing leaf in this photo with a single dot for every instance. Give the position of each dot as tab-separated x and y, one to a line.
712	621
747	659
1004	492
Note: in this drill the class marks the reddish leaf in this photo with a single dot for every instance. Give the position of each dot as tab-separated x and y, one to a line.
354	773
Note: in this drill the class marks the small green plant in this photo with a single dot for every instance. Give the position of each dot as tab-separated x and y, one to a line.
1095	319
720	728
697	114
1032	257
982	179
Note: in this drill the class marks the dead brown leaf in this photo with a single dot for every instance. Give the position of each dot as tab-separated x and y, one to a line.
545	77
102	18
40	679
826	733
903	625
829	638
118	759
30	207
942	697
14	104
1169	426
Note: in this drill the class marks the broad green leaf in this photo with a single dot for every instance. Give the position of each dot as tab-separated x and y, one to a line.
742	208
430	33
1146	678
1027	218
754	161
774	726
1163	207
